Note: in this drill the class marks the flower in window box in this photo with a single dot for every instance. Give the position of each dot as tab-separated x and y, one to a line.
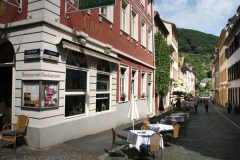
143	95
123	97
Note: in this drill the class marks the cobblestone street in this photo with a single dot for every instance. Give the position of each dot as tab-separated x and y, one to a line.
208	136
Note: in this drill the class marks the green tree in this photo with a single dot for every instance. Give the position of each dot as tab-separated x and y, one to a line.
163	60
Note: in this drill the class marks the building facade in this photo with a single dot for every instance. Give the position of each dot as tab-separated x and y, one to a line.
232	54
172	41
229	54
159	27
74	72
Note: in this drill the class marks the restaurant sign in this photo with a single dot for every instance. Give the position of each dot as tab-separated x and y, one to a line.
88	4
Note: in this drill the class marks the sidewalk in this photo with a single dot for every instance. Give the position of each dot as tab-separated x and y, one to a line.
232	116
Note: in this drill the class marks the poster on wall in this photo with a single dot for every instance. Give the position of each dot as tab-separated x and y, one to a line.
49	94
31	94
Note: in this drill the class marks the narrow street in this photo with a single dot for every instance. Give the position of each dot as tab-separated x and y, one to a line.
208	136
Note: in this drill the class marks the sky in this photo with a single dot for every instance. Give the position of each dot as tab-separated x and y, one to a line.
209	16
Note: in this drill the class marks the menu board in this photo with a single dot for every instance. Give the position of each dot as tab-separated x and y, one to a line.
49	94
31	94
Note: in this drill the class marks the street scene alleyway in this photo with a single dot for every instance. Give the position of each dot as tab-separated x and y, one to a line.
209	136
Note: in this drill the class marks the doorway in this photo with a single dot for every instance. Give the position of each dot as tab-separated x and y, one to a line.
5	95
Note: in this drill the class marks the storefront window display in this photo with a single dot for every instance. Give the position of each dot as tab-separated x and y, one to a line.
40	95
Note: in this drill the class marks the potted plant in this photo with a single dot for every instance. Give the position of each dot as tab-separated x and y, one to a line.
123	97
143	95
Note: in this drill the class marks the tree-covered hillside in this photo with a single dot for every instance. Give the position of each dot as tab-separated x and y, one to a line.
197	49
196	42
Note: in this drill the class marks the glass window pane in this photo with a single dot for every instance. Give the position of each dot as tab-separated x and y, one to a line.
31	94
76	80
49	94
74	105
102	102
77	59
102	82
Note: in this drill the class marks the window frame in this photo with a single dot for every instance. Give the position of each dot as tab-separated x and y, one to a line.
108	91
143	33
76	92
150	40
39	83
134	24
143	84
109	15
125	84
125	17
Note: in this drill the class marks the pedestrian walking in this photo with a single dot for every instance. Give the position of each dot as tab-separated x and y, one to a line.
229	106
195	105
206	105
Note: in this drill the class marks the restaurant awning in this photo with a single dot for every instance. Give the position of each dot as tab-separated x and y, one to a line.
81	49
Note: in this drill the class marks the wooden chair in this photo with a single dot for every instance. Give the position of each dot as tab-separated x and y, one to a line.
11	132
154	146
146	121
144	127
173	136
117	143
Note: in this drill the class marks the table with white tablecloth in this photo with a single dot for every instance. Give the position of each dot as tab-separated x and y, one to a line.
160	127
138	137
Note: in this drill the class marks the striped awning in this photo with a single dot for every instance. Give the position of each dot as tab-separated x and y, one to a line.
75	47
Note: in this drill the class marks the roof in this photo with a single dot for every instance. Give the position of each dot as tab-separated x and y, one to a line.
159	23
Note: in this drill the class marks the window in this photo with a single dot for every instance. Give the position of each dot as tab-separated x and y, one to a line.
103	86
123	83
76	84
107	13
150	47
143	34
134	83
143	2
134	25
149	7
143	84
125	11
40	95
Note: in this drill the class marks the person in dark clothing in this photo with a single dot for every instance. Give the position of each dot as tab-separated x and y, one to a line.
178	103
229	106
206	105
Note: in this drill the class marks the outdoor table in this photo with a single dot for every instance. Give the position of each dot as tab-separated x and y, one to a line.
138	137
160	127
176	118
181	114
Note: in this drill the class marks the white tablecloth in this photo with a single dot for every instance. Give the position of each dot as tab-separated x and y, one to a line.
138	137
176	118
181	114
160	127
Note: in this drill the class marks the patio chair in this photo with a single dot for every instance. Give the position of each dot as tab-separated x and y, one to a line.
173	136
12	132
144	127
117	143
146	121
154	146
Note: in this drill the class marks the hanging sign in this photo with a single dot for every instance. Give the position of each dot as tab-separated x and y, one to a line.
88	4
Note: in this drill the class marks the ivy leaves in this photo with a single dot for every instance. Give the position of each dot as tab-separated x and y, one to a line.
163	61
